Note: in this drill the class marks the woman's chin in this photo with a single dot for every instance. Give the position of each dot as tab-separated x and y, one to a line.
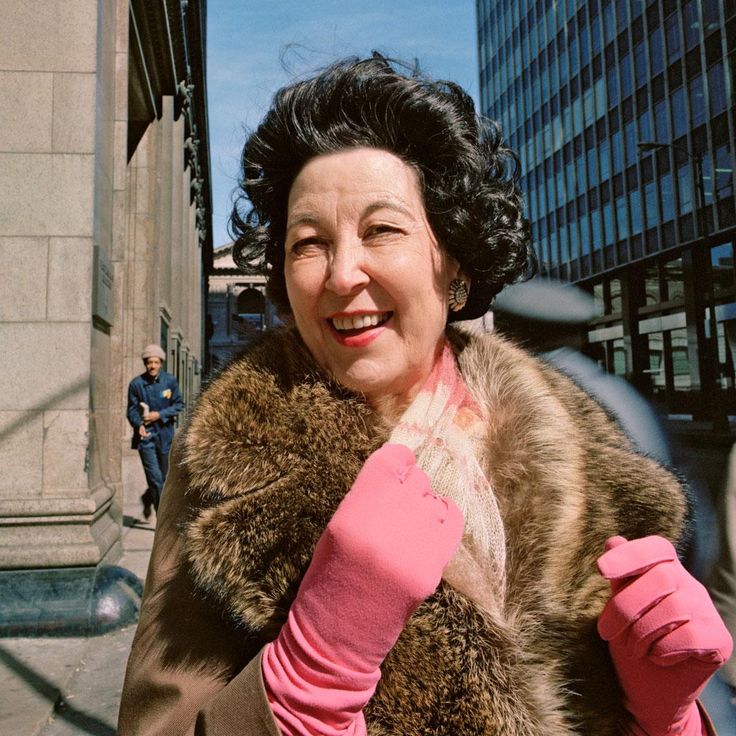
385	391
362	382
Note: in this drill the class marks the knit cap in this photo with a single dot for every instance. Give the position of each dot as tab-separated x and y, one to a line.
153	351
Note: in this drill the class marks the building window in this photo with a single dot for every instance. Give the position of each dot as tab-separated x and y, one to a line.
667	195
615	297
612	85
652	293
605	166
601	97
588	106
592	167
717	89
635	207
595	35
577	114
680	360
164	336
559	180
685	195
609	22
625	67
724	173
619	358
616	150
726	364
249	318
691	24
710	15
640	64
631	149
608	227
563	64
656	372
554	254
660	122
574	240
696	94
175	357
584	234
651	216
600	304
672	31
570	178
564	249
622	218
655	51
573	57
580	173
707	179
674	280
722	267
679	115
595	226
645	126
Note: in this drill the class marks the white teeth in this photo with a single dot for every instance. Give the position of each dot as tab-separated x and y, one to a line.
359	321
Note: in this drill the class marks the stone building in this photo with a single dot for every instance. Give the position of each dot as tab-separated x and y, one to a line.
104	237
238	310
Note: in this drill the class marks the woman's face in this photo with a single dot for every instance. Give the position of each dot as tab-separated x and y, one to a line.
367	281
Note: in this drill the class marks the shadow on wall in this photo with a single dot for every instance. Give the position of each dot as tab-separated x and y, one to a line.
48	404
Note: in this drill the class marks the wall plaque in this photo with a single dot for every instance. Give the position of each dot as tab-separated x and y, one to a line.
103	307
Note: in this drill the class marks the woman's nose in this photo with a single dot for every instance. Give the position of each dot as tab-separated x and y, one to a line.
346	270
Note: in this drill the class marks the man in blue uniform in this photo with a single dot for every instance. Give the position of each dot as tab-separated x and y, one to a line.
154	400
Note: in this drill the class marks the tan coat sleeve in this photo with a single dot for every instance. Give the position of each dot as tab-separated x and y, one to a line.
189	671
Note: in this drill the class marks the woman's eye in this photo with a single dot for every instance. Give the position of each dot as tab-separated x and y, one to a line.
377	230
307	245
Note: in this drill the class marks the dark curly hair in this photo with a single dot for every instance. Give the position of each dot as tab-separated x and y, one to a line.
469	180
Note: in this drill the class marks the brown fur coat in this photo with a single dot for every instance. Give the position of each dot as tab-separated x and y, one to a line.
273	446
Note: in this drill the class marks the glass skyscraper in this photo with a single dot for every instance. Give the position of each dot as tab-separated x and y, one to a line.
622	113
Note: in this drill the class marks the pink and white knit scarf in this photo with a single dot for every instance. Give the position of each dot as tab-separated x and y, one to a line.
444	427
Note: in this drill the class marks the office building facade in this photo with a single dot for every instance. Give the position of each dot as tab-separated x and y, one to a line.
622	113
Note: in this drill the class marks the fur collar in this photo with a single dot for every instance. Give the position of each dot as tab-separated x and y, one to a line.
272	447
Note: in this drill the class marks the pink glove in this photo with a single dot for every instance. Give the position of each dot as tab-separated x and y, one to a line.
381	555
664	634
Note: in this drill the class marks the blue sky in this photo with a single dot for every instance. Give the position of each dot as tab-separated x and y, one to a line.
256	47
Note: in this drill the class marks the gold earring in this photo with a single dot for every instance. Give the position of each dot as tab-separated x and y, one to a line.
458	295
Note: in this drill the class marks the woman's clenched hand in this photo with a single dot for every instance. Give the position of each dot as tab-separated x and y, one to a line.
664	634
381	555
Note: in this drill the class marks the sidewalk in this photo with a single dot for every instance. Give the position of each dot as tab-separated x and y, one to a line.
70	686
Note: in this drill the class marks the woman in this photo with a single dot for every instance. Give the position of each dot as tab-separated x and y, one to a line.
375	524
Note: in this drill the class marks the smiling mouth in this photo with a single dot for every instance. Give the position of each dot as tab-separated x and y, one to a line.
356	323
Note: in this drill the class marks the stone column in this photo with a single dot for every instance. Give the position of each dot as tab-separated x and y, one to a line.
58	150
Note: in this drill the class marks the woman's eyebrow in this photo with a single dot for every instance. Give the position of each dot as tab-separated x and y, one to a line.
388	204
305	218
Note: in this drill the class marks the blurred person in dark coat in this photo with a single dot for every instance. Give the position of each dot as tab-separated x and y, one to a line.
549	318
